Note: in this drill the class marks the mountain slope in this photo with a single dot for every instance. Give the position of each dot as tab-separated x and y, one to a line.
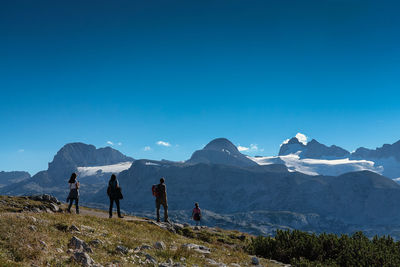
220	151
7	178
44	239
225	189
67	160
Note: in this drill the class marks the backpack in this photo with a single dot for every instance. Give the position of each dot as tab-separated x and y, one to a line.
154	190
197	215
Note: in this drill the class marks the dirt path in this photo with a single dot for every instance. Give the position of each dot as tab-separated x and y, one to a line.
103	214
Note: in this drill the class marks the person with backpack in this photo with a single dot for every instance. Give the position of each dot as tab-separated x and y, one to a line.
73	193
115	194
160	192
196	214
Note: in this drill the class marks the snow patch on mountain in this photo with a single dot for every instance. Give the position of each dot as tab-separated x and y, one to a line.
319	166
113	168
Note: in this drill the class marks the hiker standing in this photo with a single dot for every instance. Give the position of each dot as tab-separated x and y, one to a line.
196	214
73	193
115	194
161	199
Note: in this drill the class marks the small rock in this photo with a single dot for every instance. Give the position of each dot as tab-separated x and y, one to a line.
144	247
255	260
73	228
122	249
87	229
234	265
32	228
83	258
34	220
95	242
160	245
44	245
59	250
78	244
178	226
151	259
197	248
54	207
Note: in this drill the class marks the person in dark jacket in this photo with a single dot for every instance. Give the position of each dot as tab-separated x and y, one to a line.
73	193
161	199
114	193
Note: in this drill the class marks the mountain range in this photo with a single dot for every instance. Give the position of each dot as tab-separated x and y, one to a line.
308	186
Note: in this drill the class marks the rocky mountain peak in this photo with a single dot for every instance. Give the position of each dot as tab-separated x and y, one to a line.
221	144
74	155
312	149
221	151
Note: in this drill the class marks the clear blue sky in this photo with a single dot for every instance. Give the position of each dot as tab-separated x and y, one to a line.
185	72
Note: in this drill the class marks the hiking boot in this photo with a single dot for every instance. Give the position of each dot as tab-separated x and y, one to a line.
110	216
120	216
68	210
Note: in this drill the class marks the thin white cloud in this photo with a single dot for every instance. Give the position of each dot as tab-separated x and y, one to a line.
242	148
147	148
163	143
251	148
111	143
21	150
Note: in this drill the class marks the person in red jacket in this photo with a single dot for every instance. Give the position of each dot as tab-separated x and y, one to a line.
196	214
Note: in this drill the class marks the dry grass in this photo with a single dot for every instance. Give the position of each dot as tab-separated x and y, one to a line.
22	237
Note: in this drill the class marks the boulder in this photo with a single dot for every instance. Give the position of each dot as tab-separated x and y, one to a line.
255	260
78	244
122	249
83	258
197	248
160	245
151	258
73	228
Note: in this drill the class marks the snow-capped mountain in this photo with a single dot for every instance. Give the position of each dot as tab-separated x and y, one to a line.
312	149
314	158
313	166
93	165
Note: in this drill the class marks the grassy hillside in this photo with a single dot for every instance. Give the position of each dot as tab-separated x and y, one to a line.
41	239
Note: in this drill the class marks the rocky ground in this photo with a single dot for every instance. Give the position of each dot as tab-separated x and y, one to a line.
36	231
